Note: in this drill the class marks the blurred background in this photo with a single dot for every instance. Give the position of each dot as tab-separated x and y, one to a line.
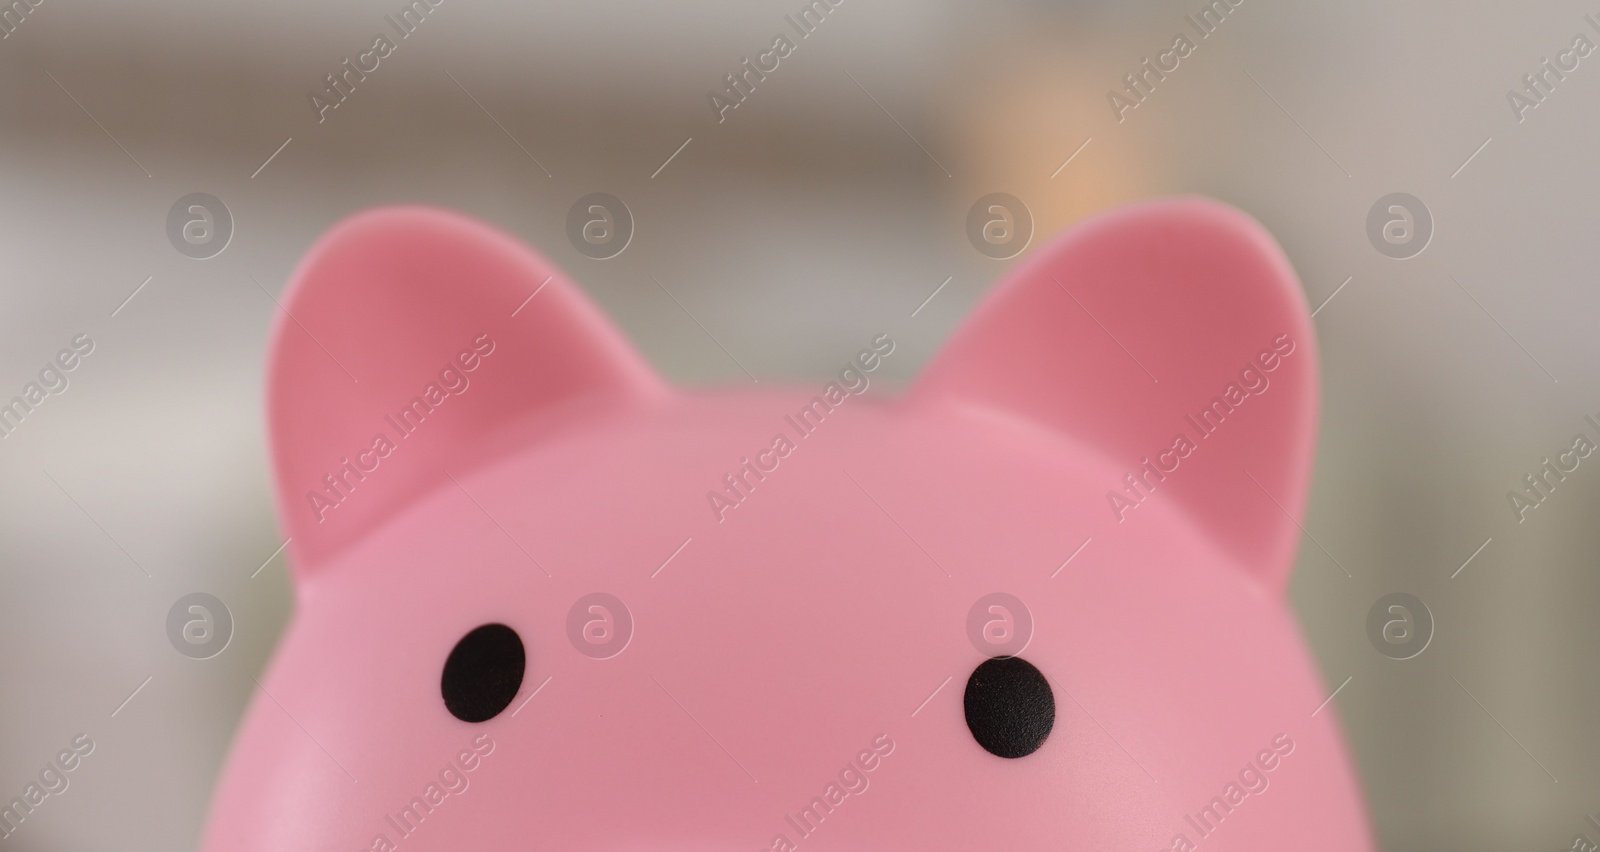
827	207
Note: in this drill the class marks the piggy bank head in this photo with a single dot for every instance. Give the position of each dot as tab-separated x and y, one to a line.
1035	602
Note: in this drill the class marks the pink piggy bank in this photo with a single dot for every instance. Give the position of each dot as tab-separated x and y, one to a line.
544	601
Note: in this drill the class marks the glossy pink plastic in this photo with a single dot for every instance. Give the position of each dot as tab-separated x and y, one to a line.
1139	395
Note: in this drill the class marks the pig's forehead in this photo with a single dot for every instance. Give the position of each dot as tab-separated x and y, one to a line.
893	520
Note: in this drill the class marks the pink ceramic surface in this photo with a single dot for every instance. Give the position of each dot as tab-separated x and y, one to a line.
810	642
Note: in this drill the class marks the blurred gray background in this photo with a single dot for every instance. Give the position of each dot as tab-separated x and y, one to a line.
824	209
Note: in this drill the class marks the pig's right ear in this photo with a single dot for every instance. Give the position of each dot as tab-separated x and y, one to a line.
407	336
1187	290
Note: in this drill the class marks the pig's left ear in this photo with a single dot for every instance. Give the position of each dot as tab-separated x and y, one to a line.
1165	319
409	337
